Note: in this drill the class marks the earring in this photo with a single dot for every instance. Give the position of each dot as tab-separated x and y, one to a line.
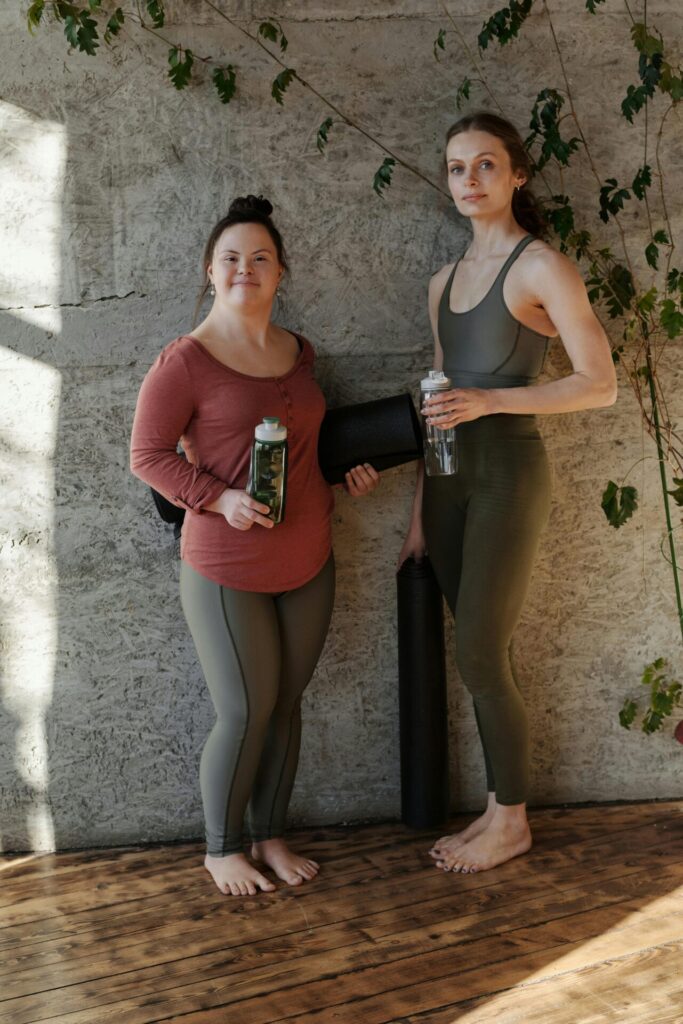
212	290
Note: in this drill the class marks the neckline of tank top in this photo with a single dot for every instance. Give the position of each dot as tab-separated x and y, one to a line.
506	266
247	376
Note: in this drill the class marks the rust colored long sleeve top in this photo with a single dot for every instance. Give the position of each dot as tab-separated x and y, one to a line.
191	397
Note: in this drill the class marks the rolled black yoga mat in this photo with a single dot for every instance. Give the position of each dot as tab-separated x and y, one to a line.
423	712
384	432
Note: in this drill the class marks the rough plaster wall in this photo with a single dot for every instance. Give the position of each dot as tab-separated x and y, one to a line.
104	709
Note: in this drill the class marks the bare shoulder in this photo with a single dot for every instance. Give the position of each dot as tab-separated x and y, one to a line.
541	258
437	281
545	267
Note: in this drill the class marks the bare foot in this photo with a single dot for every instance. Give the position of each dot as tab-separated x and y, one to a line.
235	876
287	865
501	841
449	843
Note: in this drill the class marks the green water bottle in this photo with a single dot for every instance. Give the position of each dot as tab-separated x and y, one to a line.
268	468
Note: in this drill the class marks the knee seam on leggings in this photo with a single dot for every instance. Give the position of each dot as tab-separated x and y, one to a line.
246	698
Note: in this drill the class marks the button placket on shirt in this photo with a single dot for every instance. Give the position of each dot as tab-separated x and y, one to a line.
288	406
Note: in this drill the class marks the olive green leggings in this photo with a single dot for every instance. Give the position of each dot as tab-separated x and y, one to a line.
482	527
258	652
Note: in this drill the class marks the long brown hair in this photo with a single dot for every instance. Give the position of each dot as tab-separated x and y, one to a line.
525	207
243	210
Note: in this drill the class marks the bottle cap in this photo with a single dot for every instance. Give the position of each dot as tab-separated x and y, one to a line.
271	430
436	381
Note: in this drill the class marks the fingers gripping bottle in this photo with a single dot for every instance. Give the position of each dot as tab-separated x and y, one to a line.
440	452
268	468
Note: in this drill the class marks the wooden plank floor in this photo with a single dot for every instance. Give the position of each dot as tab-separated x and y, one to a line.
586	928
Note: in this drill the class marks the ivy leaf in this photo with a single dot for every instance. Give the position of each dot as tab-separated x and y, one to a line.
579	241
155	9
268	31
646	303
382	179
321	137
545	123
272	30
645	43
642	180
627	715
440	42
94	4
612	199
619	504
674	280
114	25
652	255
281	84
81	31
463	92
677	493
180	70
616	354
34	14
225	80
562	217
635	99
671	318
619	290
592	4
505	24
661	237
671	82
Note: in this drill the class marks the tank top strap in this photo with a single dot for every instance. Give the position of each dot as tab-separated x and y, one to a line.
519	248
446	293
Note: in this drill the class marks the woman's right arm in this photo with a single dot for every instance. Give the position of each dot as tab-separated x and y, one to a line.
165	407
414	545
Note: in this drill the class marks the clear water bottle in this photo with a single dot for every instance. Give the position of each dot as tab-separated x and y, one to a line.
268	468
440	451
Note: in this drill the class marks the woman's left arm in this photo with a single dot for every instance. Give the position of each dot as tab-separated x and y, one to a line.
559	288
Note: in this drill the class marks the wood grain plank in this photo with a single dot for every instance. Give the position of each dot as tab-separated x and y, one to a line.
296	986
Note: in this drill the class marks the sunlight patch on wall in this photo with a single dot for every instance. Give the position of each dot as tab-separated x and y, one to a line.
32	164
30	412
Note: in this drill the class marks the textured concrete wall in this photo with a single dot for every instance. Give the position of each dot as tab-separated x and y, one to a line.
109	184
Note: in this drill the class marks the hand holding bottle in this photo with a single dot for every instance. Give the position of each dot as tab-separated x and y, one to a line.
240	510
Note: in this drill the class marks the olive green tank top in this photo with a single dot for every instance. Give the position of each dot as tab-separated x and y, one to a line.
486	347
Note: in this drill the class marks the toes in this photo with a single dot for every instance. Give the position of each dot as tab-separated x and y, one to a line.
251	889
234	889
294	879
264	884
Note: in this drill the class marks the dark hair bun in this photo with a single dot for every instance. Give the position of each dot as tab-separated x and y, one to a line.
251	204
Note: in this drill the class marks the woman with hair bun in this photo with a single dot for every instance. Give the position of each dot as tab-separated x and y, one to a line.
257	597
493	313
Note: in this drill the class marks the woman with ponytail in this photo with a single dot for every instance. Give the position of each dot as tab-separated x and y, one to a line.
257	597
493	313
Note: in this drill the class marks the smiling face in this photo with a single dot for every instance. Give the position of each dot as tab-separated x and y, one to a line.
245	269
481	178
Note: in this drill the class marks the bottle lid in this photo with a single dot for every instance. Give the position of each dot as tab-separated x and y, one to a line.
271	430
436	381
